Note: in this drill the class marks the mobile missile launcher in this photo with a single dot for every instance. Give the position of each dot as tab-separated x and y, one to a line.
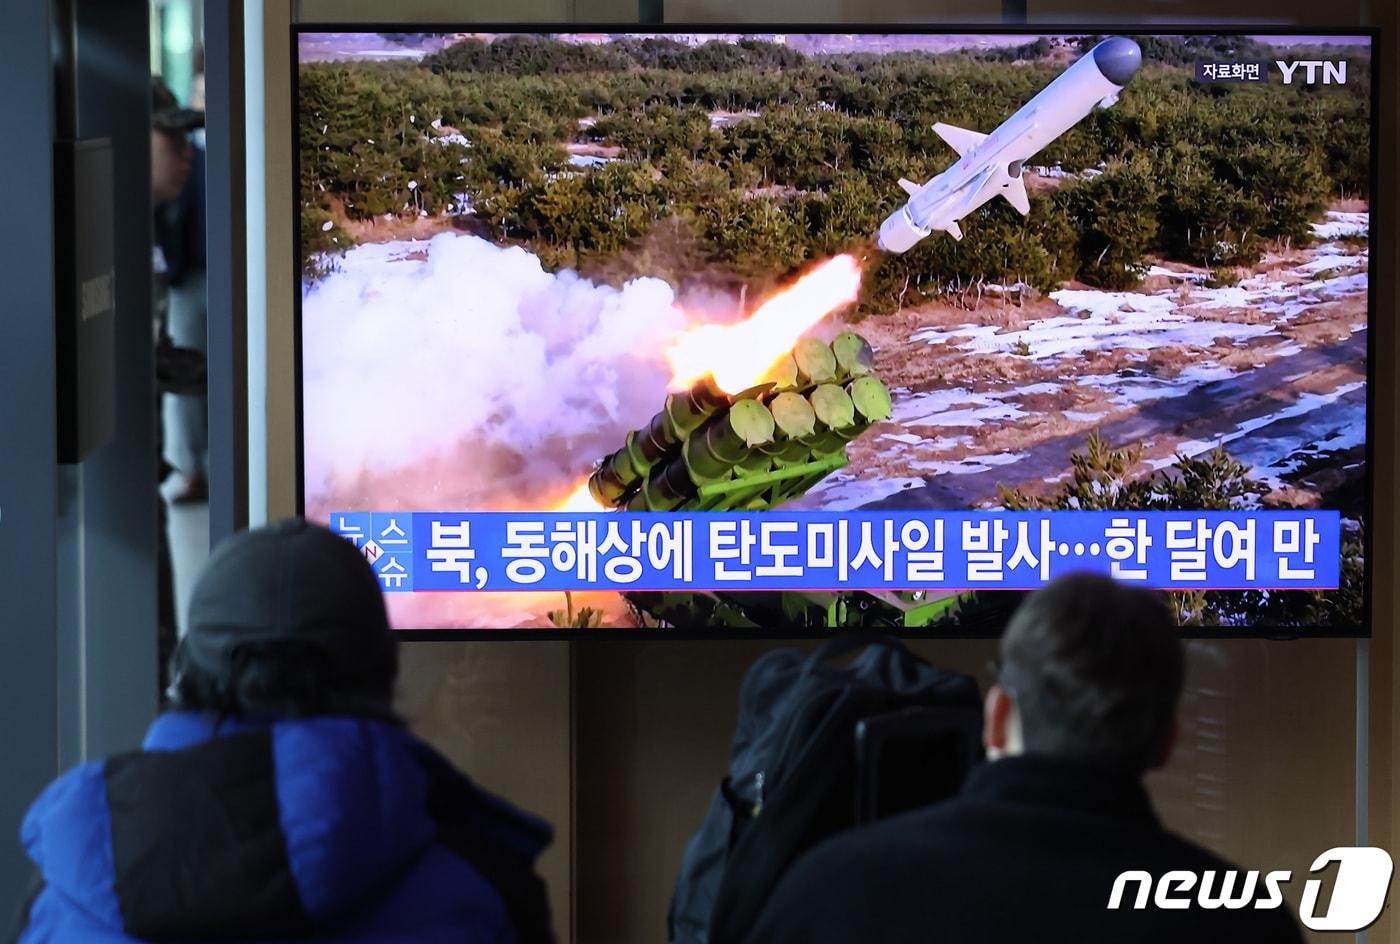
755	450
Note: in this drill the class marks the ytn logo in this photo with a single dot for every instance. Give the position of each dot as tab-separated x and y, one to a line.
1358	893
1333	73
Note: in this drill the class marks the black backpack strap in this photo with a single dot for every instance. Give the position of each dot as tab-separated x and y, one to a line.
807	793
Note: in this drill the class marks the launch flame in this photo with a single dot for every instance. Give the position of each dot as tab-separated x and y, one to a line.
581	500
738	355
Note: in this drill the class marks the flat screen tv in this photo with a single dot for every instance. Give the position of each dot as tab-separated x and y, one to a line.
777	332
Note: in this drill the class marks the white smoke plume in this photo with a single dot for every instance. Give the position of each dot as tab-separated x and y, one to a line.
454	374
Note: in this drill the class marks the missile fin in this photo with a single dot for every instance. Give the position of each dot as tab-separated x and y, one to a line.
959	139
1015	194
908	186
954	230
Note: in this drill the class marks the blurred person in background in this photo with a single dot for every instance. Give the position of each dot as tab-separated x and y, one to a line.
177	192
1084	705
180	371
281	798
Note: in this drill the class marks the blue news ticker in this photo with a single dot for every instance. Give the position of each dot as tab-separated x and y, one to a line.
859	550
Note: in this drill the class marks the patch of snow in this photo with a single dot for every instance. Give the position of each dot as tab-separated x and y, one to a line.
1305	404
1177	276
1339	225
1330	289
1132	389
1226	296
1333	262
589	160
842	491
1098	302
970	466
935	408
1341	427
996	289
725	119
1115	320
1204	373
455	137
1129	391
461	203
1026	391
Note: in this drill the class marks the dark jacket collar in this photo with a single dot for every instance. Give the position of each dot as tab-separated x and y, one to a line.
1037	780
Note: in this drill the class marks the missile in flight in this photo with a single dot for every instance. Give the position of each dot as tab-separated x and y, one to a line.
990	165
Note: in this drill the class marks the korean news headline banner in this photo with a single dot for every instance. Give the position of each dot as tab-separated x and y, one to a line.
775	550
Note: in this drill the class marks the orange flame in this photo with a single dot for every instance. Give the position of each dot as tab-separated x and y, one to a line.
739	355
581	500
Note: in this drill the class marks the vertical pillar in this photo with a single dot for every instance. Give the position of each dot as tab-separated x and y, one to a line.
28	504
118	518
226	213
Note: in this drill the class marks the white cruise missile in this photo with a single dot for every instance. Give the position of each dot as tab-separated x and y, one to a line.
990	164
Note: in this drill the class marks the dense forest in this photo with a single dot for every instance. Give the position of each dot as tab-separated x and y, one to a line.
742	161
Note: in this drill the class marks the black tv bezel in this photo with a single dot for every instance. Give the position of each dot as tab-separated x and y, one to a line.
1372	33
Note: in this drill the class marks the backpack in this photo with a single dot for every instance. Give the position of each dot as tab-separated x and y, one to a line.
792	772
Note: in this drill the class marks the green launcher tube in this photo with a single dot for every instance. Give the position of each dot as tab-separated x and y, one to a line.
620	473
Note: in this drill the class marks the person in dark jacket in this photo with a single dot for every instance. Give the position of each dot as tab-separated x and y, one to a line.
281	799
1031	848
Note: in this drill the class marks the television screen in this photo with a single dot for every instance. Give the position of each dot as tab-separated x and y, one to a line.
713	332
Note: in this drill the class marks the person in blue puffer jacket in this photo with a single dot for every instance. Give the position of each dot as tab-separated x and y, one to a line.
280	799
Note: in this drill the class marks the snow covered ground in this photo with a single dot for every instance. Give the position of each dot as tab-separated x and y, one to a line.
1209	346
1339	225
1268	455
955	407
1101	320
1129	389
1339	428
1098	321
